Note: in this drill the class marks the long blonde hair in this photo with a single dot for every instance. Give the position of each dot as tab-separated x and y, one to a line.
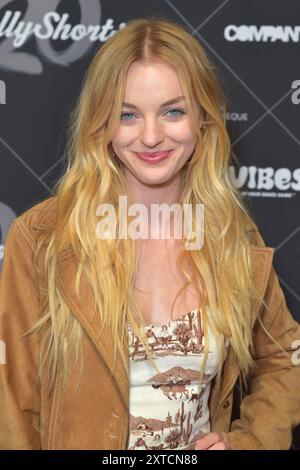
94	175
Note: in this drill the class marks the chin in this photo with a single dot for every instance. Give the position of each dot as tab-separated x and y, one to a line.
154	180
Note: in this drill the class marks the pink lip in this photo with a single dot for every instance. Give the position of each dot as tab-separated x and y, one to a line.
153	157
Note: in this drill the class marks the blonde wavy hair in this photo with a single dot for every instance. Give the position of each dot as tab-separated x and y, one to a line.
222	267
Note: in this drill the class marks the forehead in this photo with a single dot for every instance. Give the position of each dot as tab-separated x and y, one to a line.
157	81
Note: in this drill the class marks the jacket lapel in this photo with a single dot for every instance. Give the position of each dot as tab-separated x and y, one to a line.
83	308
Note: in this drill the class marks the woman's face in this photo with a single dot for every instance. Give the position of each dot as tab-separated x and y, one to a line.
150	126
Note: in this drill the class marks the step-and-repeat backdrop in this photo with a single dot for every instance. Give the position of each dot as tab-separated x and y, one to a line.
46	46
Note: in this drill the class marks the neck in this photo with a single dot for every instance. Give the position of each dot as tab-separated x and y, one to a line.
147	194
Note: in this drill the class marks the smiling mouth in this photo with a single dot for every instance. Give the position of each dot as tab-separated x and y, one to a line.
153	157
153	154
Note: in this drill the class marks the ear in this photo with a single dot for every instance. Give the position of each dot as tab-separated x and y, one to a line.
202	120
201	115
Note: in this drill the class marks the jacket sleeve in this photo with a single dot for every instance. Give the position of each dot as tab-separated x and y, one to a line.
19	309
271	409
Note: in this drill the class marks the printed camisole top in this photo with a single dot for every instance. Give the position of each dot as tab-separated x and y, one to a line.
169	410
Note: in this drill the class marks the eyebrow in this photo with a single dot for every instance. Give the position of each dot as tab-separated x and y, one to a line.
167	103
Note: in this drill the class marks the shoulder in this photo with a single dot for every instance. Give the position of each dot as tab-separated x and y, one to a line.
27	240
25	231
40	217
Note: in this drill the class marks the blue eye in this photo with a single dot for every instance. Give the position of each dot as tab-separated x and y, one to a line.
180	111
123	114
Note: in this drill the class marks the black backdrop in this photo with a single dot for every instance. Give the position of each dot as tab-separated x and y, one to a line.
253	43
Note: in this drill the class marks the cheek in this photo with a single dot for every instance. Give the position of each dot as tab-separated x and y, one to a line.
181	133
124	136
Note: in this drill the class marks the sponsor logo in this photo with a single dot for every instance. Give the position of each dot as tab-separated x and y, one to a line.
266	182
53	26
233	116
263	33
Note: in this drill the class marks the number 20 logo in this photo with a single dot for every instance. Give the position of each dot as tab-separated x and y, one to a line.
26	62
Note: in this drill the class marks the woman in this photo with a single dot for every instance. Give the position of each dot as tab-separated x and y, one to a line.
79	303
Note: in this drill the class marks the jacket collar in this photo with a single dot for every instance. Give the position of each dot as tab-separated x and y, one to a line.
83	307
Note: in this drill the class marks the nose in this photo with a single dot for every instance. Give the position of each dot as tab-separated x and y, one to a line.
152	133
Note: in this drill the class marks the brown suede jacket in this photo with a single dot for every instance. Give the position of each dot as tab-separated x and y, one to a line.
95	415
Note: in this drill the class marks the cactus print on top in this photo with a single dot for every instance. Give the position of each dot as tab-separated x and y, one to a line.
169	410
